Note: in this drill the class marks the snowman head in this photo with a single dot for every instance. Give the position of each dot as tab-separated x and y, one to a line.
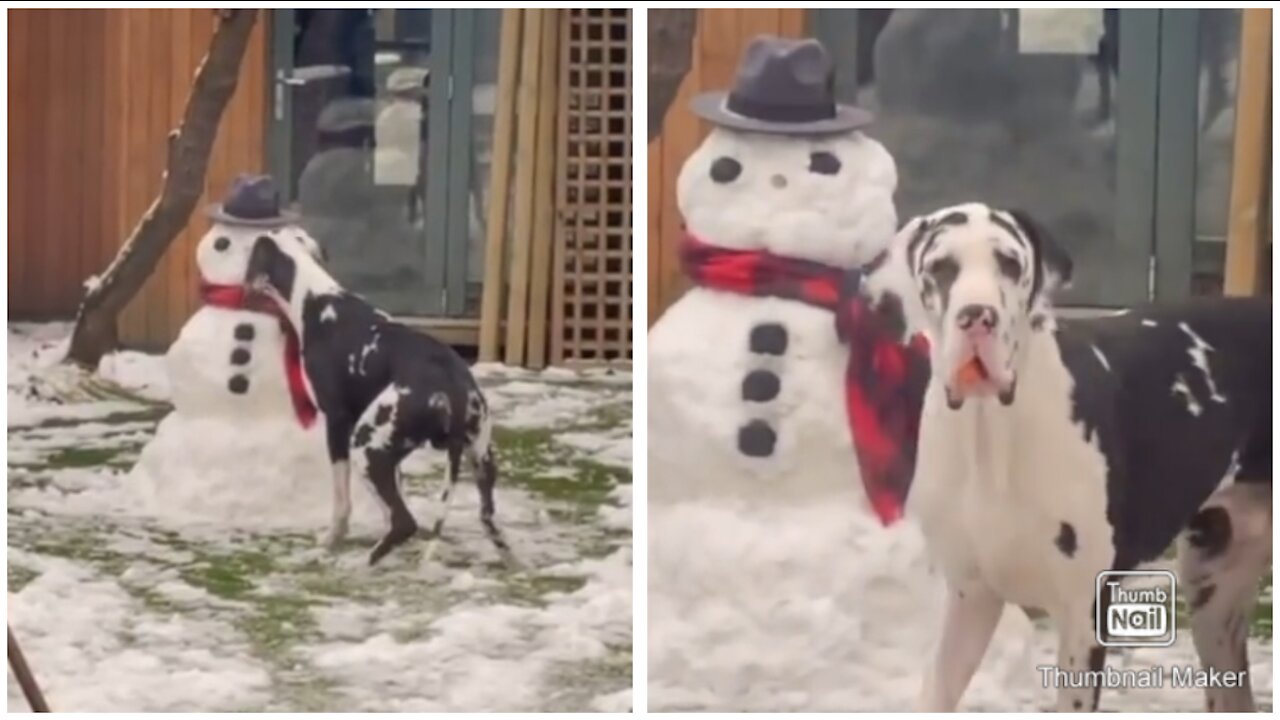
824	198
223	253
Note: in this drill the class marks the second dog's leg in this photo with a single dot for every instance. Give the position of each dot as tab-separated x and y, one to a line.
1222	556
970	621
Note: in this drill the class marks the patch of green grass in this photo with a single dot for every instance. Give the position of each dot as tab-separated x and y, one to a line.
84	545
20	576
533	590
83	457
152	414
230	576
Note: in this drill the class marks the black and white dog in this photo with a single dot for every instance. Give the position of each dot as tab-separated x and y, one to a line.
384	388
1080	446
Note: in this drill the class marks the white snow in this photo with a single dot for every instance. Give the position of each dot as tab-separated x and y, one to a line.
176	594
813	607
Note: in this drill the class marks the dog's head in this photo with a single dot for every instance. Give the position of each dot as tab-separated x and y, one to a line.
984	278
273	269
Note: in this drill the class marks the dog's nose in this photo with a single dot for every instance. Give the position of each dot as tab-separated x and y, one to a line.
977	317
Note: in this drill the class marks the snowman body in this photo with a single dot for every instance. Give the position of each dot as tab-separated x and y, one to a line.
233	452
746	394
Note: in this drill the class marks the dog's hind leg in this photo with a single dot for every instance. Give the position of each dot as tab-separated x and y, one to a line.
1222	556
970	621
479	449
446	495
379	445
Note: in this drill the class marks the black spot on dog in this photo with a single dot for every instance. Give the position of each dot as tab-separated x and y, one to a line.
768	339
1210	704
221	244
1038	321
1210	531
1066	540
1097	659
824	163
382	416
760	386
238	384
363	435
244	331
954	218
944	272
756	439
1203	595
1008	228
1009	266
240	356
1076	704
725	170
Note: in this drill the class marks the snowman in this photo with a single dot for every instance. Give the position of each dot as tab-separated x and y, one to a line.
746	386
774	584
244	444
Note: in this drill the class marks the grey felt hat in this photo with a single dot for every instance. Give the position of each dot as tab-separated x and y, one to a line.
784	87
253	201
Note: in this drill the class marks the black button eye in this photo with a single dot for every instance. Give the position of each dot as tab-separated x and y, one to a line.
221	244
824	163
725	170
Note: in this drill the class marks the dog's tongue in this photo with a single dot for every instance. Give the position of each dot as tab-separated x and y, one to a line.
970	373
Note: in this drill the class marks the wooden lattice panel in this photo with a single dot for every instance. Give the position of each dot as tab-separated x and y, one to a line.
591	317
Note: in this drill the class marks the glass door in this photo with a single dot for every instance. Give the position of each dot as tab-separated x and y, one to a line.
1049	111
372	138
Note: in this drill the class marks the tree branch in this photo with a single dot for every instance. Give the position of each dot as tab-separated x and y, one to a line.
189	146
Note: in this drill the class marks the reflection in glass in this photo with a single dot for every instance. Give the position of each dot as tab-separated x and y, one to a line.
1219	60
1012	107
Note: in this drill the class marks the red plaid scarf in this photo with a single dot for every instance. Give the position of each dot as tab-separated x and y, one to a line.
886	374
234	297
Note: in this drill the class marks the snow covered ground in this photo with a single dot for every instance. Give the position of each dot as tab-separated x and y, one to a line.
123	610
809	607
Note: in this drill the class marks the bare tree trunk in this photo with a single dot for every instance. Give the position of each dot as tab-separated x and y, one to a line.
189	148
670	54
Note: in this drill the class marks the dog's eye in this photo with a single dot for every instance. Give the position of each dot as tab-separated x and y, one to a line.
943	270
1009	265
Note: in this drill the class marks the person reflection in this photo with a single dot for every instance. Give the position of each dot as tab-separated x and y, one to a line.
363	228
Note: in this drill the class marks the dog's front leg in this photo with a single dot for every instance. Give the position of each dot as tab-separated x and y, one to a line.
970	621
1080	662
339	438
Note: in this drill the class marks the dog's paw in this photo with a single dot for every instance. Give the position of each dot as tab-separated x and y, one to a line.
335	535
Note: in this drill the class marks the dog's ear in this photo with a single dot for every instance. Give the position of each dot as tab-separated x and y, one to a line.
1054	266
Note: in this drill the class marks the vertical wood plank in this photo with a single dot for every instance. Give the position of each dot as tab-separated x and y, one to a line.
517	301
1251	164
656	247
544	183
21	80
495	247
159	122
178	261
49	232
